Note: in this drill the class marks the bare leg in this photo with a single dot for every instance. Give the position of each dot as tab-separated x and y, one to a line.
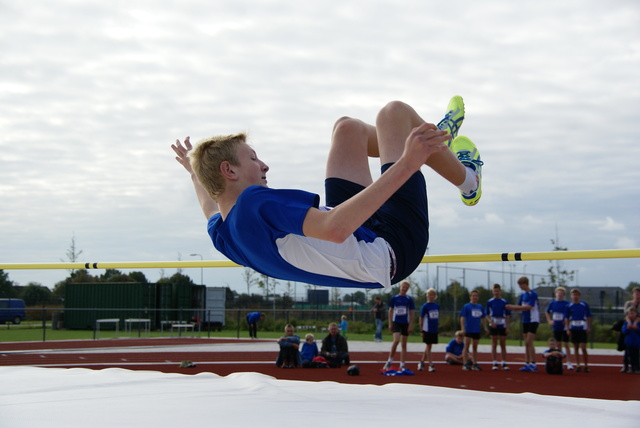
403	352
494	348
465	350
503	348
354	141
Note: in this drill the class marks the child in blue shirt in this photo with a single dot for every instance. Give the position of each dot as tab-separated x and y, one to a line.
498	317
471	319
309	351
343	326
429	318
453	351
553	357
369	234
578	324
288	357
555	314
631	332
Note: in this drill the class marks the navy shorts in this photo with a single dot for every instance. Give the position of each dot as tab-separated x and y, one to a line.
402	221
530	327
578	336
429	338
400	327
498	331
561	336
475	336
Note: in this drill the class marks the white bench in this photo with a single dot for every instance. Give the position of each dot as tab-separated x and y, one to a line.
115	321
180	327
146	324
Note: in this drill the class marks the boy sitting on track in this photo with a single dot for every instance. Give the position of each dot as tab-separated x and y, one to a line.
377	232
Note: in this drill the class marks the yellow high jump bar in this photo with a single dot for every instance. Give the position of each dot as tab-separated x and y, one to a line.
450	258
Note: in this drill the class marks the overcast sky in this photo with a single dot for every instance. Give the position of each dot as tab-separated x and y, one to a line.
92	94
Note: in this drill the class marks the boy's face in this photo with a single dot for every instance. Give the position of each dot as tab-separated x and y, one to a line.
309	340
633	315
460	339
474	297
497	292
523	286
404	288
252	171
552	343
559	295
288	331
575	297
431	297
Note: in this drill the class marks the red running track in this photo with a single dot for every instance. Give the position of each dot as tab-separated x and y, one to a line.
603	382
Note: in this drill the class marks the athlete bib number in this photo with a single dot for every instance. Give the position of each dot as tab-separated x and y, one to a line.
558	316
401	310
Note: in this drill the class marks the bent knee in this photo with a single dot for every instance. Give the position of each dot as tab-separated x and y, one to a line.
349	125
393	109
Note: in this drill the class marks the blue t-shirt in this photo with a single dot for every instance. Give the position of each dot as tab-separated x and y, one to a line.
557	309
253	317
473	314
309	351
498	312
577	313
631	336
430	313
530	298
455	348
264	232
401	305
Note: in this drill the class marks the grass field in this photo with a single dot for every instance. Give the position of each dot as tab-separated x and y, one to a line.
32	332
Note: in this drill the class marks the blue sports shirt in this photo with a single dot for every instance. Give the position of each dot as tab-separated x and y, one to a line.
264	232
530	298
557	309
401	306
577	313
473	314
430	312
498	312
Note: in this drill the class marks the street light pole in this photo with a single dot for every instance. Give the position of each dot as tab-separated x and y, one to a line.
201	269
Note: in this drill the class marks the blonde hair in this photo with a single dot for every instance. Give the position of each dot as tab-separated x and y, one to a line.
431	290
207	157
560	289
309	336
459	333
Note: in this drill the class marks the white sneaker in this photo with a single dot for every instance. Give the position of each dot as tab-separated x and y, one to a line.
401	366
421	366
495	366
432	368
569	366
387	365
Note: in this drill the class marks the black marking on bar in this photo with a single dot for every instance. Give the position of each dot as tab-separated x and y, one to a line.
518	256
505	257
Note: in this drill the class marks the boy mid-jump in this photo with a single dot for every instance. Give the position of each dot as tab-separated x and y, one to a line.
374	235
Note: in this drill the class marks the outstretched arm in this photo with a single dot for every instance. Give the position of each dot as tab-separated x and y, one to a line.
337	224
208	205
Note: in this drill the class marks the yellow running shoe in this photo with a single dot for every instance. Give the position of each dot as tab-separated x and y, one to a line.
453	119
468	154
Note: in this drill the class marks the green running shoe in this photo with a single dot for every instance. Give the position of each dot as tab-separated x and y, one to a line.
453	119
468	154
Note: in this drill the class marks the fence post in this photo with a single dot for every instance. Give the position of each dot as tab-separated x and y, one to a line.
44	324
238	323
